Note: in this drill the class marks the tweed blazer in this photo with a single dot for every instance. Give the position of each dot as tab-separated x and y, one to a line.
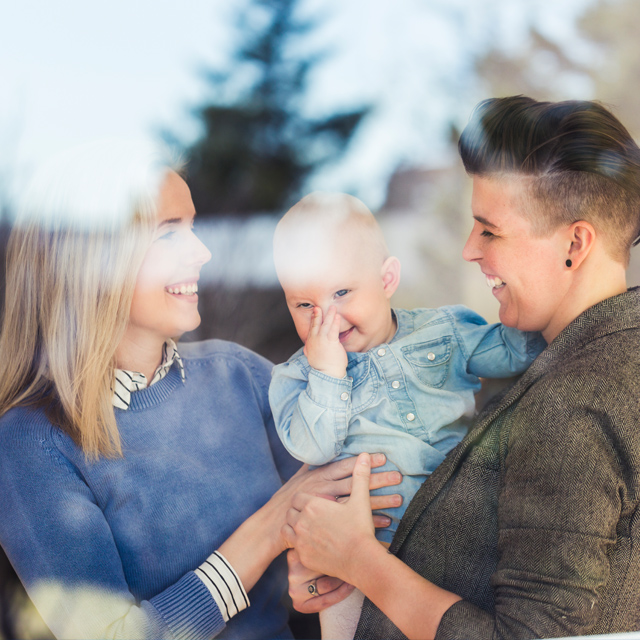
533	518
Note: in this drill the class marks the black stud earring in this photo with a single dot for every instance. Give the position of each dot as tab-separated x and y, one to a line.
568	263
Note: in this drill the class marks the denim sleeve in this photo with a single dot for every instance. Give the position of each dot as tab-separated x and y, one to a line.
311	411
62	548
493	350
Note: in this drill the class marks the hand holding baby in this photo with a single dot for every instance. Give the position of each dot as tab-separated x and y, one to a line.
323	348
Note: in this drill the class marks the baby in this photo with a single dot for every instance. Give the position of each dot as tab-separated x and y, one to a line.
369	377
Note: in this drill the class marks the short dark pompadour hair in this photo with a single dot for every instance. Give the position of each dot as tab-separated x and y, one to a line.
583	163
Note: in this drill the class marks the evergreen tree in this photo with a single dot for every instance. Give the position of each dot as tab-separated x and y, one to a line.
259	148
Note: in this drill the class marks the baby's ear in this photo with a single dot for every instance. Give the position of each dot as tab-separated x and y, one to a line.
390	275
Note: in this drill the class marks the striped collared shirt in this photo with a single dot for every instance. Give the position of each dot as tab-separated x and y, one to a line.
129	381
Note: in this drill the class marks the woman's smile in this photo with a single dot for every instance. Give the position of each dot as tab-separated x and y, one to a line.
184	290
494	282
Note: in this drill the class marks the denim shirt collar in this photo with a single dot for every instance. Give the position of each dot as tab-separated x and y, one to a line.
404	322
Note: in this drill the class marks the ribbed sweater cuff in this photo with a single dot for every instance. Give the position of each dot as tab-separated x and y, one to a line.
188	609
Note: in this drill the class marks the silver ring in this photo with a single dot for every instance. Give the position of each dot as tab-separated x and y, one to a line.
313	589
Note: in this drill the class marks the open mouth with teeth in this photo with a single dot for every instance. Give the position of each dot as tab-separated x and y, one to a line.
495	283
183	289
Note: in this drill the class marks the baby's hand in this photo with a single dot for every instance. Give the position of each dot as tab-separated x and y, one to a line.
323	348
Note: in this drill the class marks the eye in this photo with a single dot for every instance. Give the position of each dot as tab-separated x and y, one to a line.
488	234
168	235
304	305
341	293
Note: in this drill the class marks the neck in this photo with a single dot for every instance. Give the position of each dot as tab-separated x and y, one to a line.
392	328
138	353
594	281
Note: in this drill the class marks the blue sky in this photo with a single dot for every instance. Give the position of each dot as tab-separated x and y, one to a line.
77	69
73	69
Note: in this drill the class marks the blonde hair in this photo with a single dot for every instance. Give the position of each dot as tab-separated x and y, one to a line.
77	244
320	221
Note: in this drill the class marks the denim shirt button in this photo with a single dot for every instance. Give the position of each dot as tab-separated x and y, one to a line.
431	355
381	352
395	384
410	417
344	396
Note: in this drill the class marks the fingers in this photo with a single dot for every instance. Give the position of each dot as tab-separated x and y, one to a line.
385	479
380	522
377	460
298	503
314	604
326	584
327	326
330	590
361	477
344	468
331	325
386	502
316	321
339	481
288	535
328	320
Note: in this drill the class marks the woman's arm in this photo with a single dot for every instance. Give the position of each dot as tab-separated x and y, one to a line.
62	547
338	540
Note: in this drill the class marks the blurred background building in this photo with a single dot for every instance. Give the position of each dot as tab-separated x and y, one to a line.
266	100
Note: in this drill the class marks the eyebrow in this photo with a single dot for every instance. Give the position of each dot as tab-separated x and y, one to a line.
169	221
485	222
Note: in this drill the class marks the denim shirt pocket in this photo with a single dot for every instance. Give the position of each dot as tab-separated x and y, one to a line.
430	360
365	383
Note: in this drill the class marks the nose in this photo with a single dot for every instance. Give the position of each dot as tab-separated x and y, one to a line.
197	252
471	251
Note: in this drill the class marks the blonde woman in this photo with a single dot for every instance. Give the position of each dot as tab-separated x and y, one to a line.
140	482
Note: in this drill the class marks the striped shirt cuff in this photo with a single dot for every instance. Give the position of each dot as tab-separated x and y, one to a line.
224	585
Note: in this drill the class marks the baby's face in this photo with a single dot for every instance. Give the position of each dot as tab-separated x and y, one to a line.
355	287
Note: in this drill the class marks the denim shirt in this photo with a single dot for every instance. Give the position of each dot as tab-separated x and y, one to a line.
411	398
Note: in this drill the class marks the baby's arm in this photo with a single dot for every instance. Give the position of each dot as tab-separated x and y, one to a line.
493	350
311	410
323	348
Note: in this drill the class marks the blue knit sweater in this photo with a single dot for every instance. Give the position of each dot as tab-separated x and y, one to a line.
108	549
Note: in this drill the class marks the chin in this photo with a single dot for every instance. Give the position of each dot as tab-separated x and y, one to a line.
187	325
507	320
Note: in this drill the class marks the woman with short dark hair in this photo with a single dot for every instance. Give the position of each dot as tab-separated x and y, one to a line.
530	528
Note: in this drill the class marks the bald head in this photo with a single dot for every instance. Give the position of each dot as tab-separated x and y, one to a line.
320	230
